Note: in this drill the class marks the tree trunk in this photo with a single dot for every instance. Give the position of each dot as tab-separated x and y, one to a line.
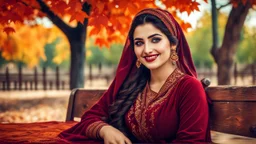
215	35
225	54
76	37
77	40
77	48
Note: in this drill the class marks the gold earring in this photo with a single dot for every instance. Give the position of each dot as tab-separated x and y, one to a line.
138	63
174	55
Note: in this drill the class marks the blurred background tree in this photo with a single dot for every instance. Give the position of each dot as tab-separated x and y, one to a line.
246	50
104	55
109	22
224	52
33	44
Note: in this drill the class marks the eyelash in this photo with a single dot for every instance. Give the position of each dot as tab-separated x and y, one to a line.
156	39
153	40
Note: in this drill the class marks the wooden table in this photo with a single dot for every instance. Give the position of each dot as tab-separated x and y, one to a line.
46	132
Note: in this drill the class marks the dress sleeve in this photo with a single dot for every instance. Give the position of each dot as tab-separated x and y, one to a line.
193	113
91	121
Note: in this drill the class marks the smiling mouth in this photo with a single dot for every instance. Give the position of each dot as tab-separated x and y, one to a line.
151	58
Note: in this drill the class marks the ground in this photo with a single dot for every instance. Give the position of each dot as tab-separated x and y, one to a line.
33	106
33	110
37	106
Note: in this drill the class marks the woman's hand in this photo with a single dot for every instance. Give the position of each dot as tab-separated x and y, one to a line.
112	135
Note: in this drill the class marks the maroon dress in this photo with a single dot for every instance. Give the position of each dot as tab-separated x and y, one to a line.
178	113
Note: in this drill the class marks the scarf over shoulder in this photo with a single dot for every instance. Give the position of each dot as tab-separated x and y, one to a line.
91	122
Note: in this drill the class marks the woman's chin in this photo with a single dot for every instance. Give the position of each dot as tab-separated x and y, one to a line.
151	66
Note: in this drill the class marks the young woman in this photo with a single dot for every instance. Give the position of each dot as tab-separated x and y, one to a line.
155	96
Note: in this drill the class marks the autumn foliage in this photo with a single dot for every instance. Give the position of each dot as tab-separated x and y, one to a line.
109	22
112	15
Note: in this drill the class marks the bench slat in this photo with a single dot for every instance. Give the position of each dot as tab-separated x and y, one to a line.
232	93
81	100
232	109
233	117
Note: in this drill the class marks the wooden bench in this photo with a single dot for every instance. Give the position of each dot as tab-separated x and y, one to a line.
233	108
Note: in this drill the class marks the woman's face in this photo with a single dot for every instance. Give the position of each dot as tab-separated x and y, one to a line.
151	46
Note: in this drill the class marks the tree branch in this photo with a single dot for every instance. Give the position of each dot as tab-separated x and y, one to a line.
86	8
27	4
215	35
54	18
222	6
235	23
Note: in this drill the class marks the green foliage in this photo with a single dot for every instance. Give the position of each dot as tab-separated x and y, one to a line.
200	40
104	55
246	50
65	64
2	60
50	52
113	54
17	63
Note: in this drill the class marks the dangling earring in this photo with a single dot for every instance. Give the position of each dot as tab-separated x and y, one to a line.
174	55
138	63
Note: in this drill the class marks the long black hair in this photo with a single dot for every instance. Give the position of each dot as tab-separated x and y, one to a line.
135	82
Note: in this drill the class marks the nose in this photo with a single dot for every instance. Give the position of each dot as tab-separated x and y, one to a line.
148	49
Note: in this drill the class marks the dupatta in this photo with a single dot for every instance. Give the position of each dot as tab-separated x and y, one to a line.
126	66
128	58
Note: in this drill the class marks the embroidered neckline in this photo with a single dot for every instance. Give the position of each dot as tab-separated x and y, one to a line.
175	71
170	81
140	120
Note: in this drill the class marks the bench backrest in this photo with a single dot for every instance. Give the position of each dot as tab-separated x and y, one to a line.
233	108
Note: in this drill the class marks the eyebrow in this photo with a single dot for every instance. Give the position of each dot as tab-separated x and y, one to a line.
148	36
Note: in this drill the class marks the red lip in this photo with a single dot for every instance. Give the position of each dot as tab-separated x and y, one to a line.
150	58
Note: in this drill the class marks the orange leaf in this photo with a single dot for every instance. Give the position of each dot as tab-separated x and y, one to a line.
8	30
101	42
73	17
185	26
194	6
102	19
132	8
94	31
80	16
78	6
100	5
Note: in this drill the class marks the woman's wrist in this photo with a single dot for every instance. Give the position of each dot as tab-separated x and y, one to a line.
93	129
101	131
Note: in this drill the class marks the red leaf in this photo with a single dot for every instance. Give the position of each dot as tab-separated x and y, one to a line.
101	19
73	17
100	6
194	6
8	30
94	31
101	42
185	26
80	16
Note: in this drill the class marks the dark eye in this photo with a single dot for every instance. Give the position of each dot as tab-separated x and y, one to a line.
138	43
155	40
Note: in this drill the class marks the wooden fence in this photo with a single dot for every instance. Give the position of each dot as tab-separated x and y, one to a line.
241	76
59	81
48	80
35	81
